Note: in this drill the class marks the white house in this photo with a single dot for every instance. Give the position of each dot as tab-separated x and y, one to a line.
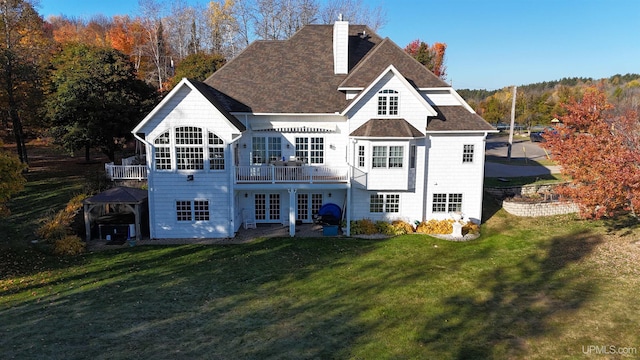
335	114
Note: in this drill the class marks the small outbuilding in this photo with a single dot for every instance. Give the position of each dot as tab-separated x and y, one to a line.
124	207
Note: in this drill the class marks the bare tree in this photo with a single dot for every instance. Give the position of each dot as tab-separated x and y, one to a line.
179	28
155	45
355	11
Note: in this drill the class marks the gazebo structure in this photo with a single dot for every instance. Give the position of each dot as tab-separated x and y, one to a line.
112	205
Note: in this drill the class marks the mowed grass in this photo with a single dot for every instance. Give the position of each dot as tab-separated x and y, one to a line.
527	288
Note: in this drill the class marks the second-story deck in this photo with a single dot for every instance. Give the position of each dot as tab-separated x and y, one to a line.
271	174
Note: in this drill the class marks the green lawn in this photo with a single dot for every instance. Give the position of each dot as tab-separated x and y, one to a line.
527	288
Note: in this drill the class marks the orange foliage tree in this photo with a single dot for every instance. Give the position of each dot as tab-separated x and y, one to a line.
600	151
430	56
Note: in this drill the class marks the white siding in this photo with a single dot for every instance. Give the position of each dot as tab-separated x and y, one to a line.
410	107
447	174
190	108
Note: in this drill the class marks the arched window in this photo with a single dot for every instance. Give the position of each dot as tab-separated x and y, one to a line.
387	102
189	150
163	151
216	152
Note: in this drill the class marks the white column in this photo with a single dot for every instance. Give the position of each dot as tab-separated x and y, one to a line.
292	212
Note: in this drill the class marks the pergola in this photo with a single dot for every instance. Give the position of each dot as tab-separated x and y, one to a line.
132	198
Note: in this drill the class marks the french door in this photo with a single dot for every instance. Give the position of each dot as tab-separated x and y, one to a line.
267	207
307	206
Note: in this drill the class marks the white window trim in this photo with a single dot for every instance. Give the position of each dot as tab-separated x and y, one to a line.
386	203
387	94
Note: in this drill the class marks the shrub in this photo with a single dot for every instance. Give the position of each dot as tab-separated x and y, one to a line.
385	228
69	245
470	228
436	227
363	227
57	226
402	227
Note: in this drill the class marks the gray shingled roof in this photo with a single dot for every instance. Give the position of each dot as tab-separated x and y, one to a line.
210	95
119	195
396	128
296	76
385	54
290	76
455	118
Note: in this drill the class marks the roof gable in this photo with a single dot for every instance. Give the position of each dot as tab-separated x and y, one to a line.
385	54
390	69
205	91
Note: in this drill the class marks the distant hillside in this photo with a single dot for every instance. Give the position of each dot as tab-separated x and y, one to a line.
539	103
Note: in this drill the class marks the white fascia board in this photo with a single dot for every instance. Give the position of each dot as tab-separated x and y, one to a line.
350	88
367	138
285	114
396	73
453	92
161	104
435	132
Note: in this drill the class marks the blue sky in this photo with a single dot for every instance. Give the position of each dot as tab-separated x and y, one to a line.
492	43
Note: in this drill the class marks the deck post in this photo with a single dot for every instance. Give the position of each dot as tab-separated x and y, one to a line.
292	213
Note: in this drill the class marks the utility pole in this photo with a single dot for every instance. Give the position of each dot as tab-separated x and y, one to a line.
513	119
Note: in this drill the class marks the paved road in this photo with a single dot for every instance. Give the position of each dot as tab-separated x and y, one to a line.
496	150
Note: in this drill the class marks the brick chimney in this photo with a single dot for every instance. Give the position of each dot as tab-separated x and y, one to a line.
341	46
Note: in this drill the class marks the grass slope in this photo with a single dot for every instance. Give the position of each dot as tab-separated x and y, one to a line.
527	288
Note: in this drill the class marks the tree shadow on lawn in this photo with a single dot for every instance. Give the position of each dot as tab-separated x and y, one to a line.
512	304
292	298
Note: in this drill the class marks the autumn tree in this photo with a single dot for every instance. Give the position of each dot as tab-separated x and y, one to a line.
11	179
600	151
23	53
95	99
431	56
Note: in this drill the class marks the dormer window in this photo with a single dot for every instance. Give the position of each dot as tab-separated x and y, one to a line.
387	102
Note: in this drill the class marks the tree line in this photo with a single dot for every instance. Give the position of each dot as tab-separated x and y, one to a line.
540	103
86	82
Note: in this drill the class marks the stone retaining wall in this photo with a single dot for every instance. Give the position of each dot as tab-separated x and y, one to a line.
539	209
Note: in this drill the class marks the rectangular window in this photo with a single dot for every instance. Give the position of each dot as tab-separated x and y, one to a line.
396	154
274	206
310	150
382	105
447	203
439	203
302	149
376	203
387	157
361	156
274	151
201	210
189	158
303	205
455	203
379	157
260	203
393	104
316	203
467	154
384	203
392	203
163	158
259	149
183	210
412	157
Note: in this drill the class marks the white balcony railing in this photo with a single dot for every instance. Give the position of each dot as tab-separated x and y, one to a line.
126	172
291	174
